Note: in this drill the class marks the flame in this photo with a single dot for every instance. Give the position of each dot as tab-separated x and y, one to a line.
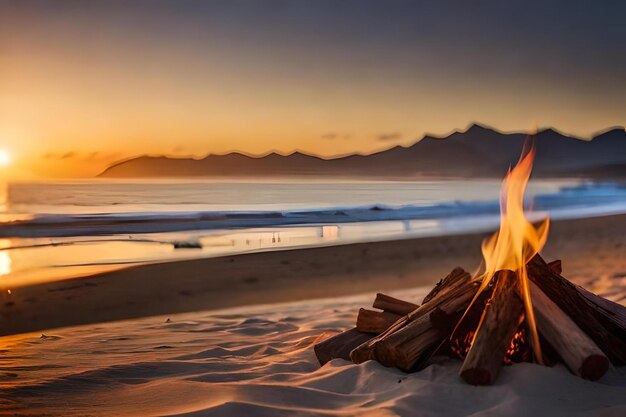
517	240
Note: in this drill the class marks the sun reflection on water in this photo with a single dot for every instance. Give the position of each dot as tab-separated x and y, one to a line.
5	263
330	232
5	269
4	196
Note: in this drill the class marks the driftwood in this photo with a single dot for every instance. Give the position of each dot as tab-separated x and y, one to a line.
340	345
406	348
372	321
457	275
457	283
501	319
602	320
581	355
393	305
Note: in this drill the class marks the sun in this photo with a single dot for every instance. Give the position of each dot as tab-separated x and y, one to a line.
5	158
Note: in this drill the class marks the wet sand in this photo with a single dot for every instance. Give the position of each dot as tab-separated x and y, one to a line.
593	253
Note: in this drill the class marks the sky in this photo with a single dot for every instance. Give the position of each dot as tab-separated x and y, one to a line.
86	83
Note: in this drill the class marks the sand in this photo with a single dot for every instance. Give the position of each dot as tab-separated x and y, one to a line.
592	250
257	360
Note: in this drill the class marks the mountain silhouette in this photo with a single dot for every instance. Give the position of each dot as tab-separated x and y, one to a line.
479	151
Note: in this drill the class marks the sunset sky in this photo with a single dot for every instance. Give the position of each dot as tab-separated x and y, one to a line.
85	83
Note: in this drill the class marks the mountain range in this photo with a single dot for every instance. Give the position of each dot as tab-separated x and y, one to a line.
478	151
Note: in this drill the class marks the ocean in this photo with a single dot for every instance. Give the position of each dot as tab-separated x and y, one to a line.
62	229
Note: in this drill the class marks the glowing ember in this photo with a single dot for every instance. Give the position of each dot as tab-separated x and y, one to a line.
518	350
517	240
461	346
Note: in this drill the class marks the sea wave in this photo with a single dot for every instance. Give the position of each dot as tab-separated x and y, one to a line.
583	200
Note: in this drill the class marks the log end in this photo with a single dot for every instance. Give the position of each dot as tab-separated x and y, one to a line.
339	346
376	322
364	321
556	266
393	305
322	355
362	354
594	367
476	376
384	353
391	357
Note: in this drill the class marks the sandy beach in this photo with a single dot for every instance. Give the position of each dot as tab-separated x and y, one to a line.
247	350
259	361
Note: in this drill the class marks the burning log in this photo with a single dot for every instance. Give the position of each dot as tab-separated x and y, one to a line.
602	320
455	286
461	326
581	355
498	325
372	321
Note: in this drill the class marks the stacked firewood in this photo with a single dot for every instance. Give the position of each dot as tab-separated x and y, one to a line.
580	329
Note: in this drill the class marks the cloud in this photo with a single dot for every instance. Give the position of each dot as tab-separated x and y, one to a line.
94	156
59	155
385	137
335	136
98	156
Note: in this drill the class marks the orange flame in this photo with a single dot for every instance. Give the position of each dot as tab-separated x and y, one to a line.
517	240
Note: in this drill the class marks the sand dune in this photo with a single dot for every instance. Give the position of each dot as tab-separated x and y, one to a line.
259	362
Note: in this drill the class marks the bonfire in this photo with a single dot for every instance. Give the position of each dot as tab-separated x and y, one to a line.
517	309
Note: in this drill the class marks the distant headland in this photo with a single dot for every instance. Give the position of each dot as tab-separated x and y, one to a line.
478	151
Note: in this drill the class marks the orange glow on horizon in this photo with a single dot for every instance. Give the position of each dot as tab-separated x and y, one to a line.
201	80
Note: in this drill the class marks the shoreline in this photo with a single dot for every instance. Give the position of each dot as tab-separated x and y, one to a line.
592	251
